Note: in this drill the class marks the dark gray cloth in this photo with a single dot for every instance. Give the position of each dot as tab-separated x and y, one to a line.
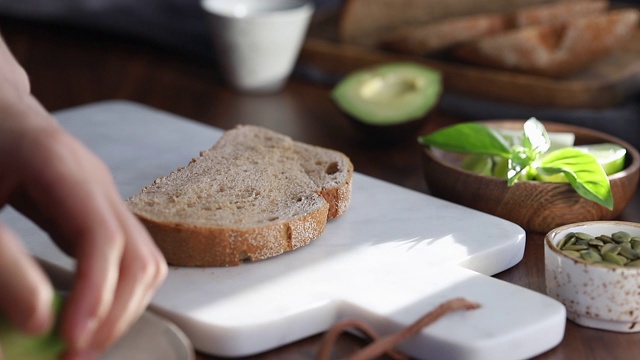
178	24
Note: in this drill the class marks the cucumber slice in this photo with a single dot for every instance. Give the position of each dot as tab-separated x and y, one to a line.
609	155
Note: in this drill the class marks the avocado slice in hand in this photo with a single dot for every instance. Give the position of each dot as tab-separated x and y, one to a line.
18	345
389	95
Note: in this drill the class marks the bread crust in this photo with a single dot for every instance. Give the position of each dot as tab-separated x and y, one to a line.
332	175
338	199
214	246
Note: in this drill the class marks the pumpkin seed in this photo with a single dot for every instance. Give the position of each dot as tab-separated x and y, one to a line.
621	236
610	248
563	241
572	253
583	236
613	258
595	242
628	252
634	263
576	247
617	249
605	238
591	255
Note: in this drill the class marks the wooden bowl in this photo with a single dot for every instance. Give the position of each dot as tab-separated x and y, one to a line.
536	206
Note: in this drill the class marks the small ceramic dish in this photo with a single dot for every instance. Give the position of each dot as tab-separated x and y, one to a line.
152	337
595	295
534	205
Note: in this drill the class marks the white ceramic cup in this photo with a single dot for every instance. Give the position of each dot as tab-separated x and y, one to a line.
257	42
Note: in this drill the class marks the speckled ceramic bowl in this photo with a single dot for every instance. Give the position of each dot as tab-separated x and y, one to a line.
595	295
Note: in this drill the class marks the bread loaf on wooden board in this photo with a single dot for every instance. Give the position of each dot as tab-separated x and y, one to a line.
556	12
556	49
255	194
363	21
426	38
423	39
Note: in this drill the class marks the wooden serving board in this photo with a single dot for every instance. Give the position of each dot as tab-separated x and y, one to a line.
607	83
394	256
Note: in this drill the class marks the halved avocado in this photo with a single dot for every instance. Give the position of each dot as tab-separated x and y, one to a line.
394	96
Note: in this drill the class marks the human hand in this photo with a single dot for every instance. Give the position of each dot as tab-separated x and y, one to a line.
52	178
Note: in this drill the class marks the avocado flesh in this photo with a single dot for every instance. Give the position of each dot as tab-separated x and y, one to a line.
17	345
389	94
20	346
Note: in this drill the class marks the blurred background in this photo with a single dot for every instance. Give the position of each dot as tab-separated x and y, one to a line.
180	26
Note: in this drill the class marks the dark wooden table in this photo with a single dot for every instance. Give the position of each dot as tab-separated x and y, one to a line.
70	67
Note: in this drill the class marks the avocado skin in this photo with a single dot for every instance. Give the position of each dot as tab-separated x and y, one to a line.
17	345
389	134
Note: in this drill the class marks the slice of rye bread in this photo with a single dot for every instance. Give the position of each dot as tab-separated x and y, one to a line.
255	194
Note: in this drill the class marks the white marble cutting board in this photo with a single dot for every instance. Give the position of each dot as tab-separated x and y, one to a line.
395	255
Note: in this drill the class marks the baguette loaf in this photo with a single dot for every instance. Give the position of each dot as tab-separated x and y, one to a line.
426	38
255	194
554	50
554	13
363	21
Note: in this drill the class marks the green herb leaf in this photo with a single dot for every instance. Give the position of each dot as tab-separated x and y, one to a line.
519	161
524	161
583	171
468	138
535	136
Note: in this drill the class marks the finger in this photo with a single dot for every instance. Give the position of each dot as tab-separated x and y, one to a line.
74	194
27	294
21	202
110	290
142	271
98	252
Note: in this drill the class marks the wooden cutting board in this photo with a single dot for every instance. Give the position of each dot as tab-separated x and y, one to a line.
395	255
607	83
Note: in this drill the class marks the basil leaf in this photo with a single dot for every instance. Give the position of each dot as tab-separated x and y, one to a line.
535	136
518	163
583	171
468	138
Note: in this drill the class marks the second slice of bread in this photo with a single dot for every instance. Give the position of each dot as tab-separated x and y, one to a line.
255	194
